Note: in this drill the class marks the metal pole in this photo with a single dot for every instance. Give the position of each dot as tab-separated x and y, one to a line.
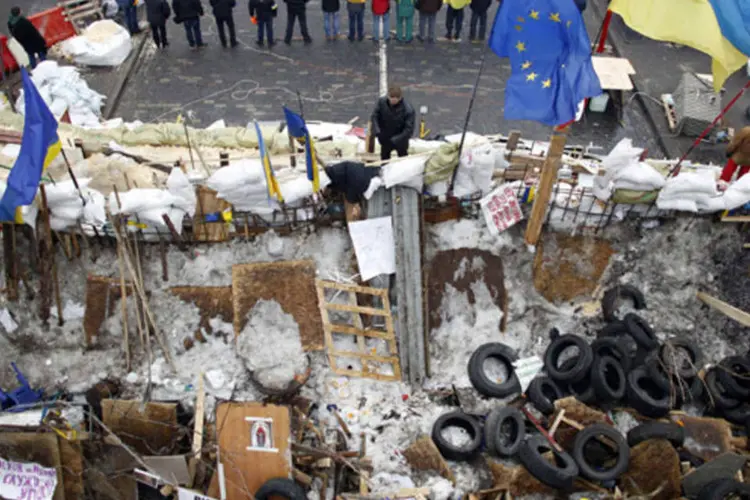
301	109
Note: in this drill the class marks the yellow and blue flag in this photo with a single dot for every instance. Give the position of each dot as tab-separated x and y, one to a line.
39	146
550	57
298	129
271	183
734	20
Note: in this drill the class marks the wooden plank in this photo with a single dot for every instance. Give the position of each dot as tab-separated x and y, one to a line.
361	342
372	311
350	330
209	203
544	191
151	430
39	448
200	401
735	218
245	470
378	292
70	11
71	455
513	138
373	375
736	314
83	15
326	325
101	294
369	357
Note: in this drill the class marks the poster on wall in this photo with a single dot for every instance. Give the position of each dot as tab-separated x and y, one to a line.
501	209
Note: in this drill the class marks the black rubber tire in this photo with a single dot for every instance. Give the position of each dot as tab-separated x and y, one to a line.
607	389
614	347
583	391
693	351
464	421
281	487
591	471
721	489
731	371
717	393
641	331
737	416
543	392
479	378
638	398
495	438
656	371
689	392
657	430
611	296
686	456
554	476
583	360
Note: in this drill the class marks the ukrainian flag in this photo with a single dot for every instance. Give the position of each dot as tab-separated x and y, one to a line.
298	129
271	182
39	146
707	26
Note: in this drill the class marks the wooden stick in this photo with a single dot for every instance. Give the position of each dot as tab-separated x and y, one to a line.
200	401
542	430
55	283
736	314
556	422
124	307
544	191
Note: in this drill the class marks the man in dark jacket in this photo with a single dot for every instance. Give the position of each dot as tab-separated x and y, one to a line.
189	12
262	13
223	15
157	13
393	123
27	35
355	181
428	10
296	9
479	10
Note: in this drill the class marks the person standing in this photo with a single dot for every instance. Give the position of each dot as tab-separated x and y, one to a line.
454	19
296	9
224	16
428	10
356	11
479	10
405	19
189	12
262	13
131	15
27	35
381	13
157	13
331	19
393	123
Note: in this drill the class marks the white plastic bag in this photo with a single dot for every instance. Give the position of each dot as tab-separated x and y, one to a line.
103	43
405	172
140	200
184	192
475	170
246	171
738	193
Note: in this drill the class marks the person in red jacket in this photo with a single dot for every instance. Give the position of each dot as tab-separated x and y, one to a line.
738	154
381	12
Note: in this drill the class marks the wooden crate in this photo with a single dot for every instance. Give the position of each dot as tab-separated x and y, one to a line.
77	11
367	359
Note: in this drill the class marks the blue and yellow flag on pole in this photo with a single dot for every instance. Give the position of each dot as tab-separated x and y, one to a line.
550	57
39	146
298	129
271	183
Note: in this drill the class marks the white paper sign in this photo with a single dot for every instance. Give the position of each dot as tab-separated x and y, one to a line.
185	494
26	481
373	246
501	209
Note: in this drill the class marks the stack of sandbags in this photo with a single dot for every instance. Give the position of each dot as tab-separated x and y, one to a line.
68	206
103	43
691	192
621	169
243	184
737	194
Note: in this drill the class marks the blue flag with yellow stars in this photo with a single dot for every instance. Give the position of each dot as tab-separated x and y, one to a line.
550	57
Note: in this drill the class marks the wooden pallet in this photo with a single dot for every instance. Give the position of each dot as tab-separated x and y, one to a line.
76	11
370	361
669	111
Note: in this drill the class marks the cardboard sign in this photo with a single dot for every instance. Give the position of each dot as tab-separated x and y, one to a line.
185	494
501	209
26	481
374	246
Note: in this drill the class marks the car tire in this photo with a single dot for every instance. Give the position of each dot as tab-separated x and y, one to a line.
612	296
466	422
543	392
656	371
281	487
579	370
641	331
613	347
666	354
734	375
737	416
607	379
494	433
554	476
721	489
592	471
482	382
673	433
717	393
653	404
688	391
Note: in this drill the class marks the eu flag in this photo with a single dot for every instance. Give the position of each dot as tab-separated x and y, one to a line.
39	146
550	57
298	129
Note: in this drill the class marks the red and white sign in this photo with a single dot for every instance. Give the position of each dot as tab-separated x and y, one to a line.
26	481
501	209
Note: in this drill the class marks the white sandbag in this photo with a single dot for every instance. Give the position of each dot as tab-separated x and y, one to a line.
700	182
103	43
622	156
140	200
299	187
678	204
738	193
155	217
245	171
711	204
471	139
179	186
61	224
405	172
475	171
94	211
72	210
638	176
64	191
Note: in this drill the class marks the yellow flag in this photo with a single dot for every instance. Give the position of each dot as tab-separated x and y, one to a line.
687	22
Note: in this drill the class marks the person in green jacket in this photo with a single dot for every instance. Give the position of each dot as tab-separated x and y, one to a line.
405	17
454	19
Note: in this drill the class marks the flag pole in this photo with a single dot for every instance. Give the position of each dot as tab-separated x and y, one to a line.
468	117
73	176
301	109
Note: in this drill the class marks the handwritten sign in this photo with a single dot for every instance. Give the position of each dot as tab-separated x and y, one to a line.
26	481
501	209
